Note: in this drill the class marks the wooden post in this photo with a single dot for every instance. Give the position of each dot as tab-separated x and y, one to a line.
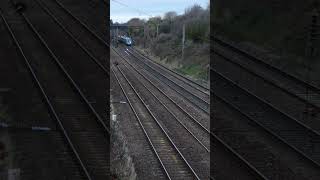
157	30
144	36
117	34
115	38
147	33
117	31
128	30
183	39
208	72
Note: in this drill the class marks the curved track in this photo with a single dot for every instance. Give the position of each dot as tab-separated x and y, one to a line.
173	162
198	99
296	135
193	122
198	86
271	74
244	168
82	127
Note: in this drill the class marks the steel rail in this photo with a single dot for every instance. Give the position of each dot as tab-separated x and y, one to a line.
190	101
46	99
141	125
261	125
102	41
188	81
254	170
84	25
177	73
57	61
176	104
193	95
153	117
267	65
199	98
46	9
268	81
268	104
175	117
157	122
212	134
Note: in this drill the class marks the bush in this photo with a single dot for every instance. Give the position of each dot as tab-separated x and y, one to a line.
196	30
164	37
164	28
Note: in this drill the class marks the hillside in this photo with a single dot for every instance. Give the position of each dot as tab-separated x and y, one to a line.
278	24
280	28
166	46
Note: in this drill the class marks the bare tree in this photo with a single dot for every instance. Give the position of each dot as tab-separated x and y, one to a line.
135	22
194	11
155	20
170	16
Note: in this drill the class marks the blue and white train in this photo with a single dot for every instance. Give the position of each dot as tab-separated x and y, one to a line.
126	40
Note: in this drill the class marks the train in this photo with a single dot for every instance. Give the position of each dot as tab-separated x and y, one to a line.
126	40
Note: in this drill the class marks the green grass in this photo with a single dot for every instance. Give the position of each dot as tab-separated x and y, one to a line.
193	70
3	112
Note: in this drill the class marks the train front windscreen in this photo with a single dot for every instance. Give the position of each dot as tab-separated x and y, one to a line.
129	42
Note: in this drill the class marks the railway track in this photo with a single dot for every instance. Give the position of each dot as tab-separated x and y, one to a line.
299	137
55	160
96	34
202	88
281	98
201	103
191	138
169	156
198	89
284	93
227	159
259	146
70	108
92	82
76	36
293	86
174	110
246	170
202	120
97	39
92	13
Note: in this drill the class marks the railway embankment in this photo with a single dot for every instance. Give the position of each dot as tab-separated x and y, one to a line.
278	31
182	42
122	166
196	71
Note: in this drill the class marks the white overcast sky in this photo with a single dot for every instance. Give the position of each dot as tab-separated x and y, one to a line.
123	10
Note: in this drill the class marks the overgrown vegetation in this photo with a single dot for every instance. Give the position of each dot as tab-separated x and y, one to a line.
278	27
283	25
193	69
166	45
